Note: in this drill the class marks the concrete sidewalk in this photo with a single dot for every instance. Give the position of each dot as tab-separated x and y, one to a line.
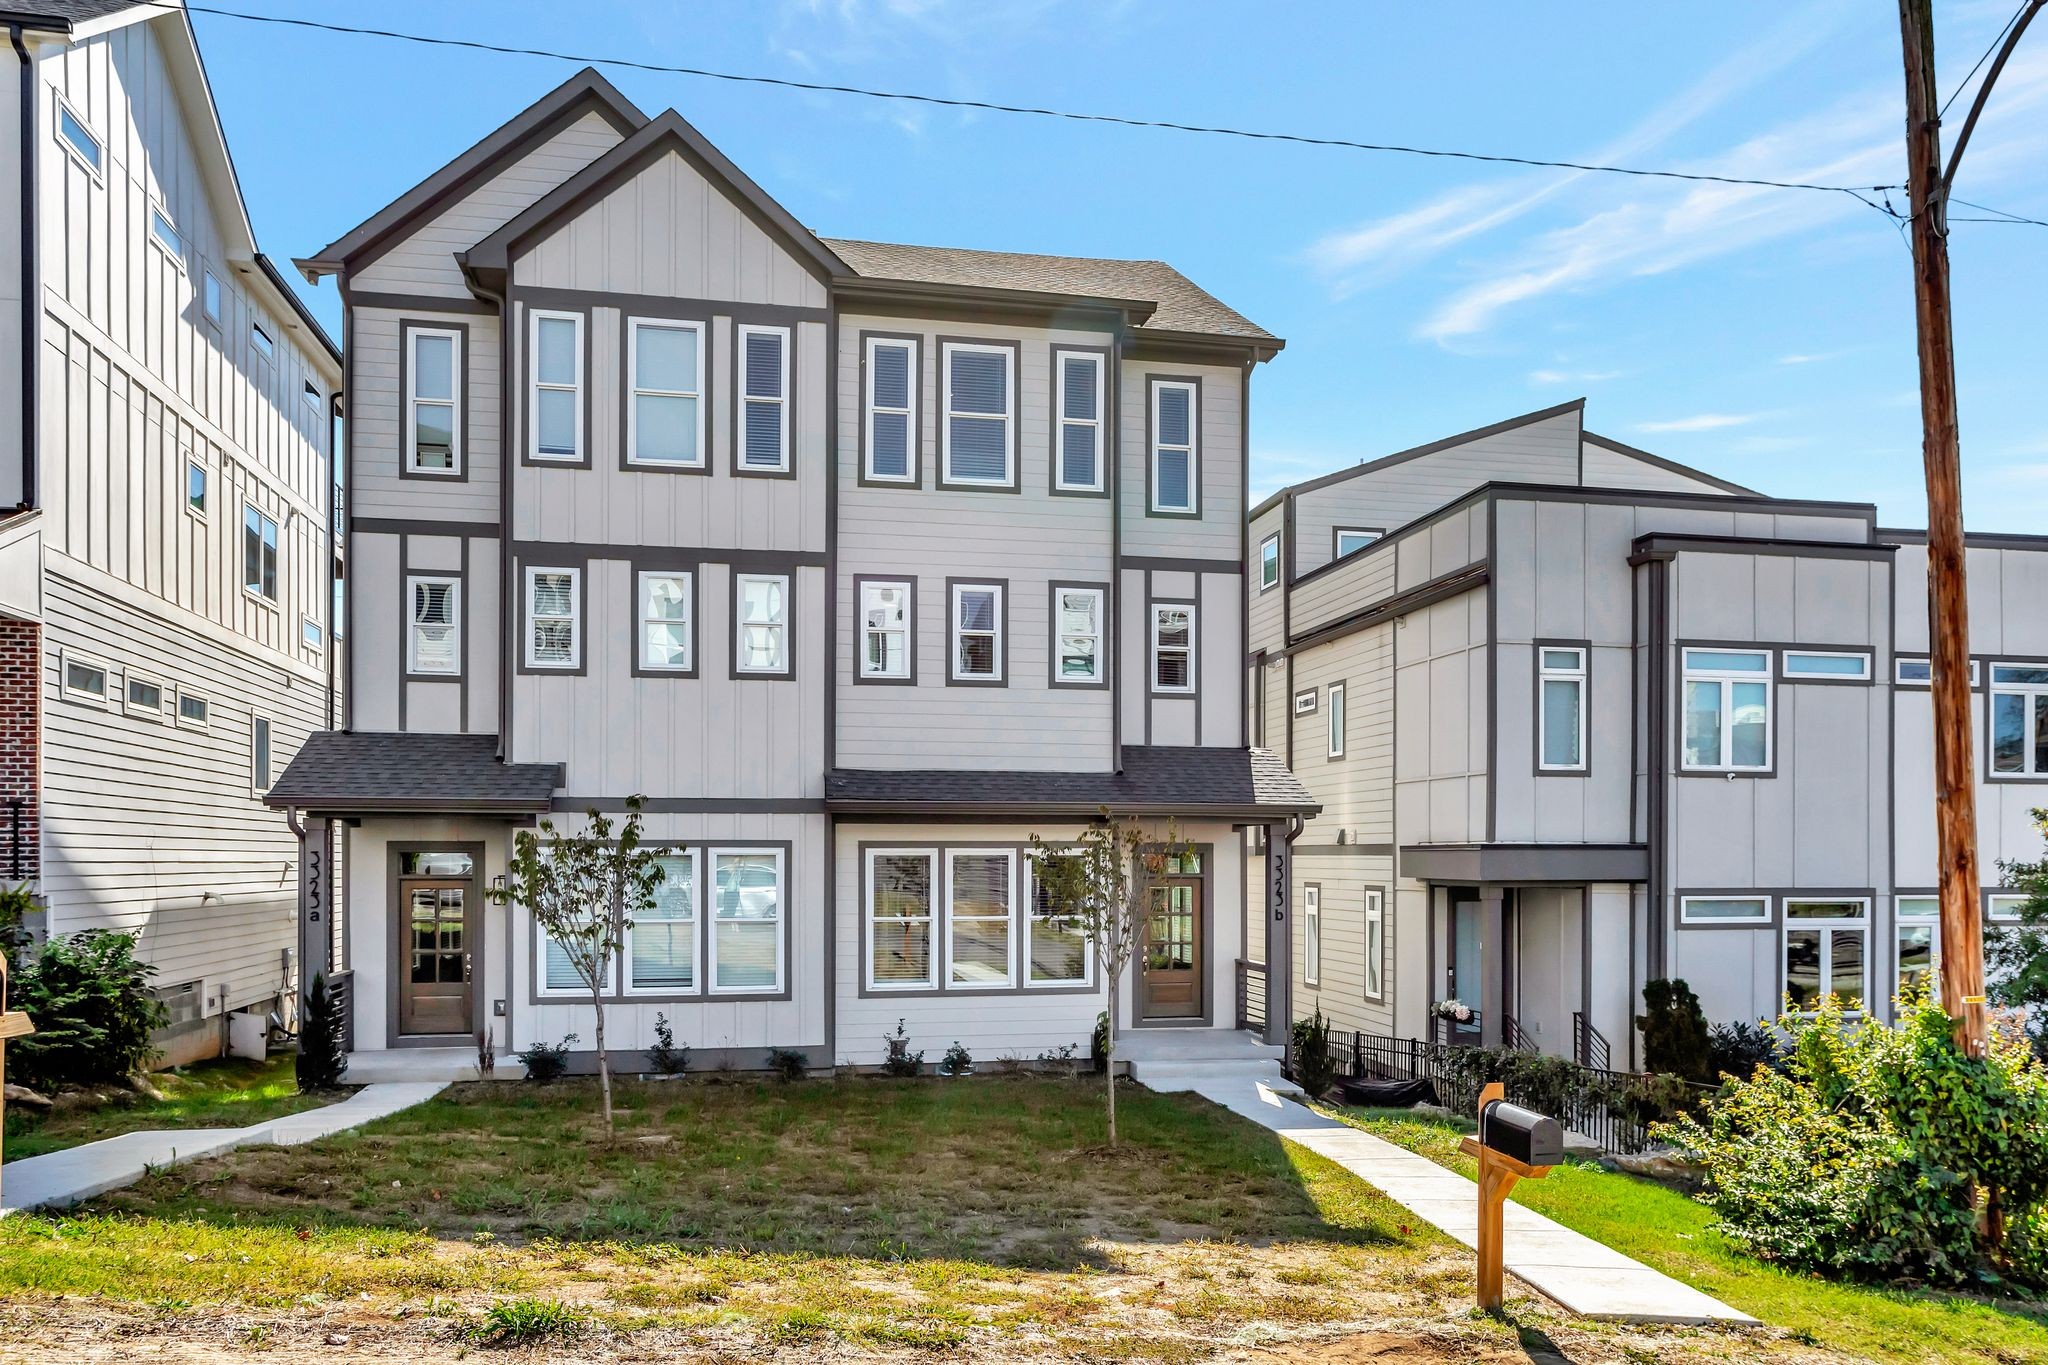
77	1174
1585	1277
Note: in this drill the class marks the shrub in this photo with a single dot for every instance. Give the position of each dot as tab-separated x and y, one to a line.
15	905
788	1063
522	1322
901	1061
958	1061
546	1061
92	1008
1738	1049
1674	1030
665	1057
1315	1070
1098	1044
323	1057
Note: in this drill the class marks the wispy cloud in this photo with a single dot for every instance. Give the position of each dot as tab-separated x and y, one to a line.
1797	358
1544	379
1704	421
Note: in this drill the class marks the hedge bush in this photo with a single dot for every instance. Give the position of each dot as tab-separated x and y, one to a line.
90	1000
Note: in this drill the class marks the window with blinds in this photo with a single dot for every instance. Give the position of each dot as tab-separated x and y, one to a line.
979	442
977	632
661	942
1173	648
1079	423
553	618
892	410
1173	447
764	400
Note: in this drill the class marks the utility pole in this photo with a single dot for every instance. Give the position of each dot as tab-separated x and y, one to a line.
1948	616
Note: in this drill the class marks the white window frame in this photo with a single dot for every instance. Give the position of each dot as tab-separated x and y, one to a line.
1193	506
212	295
541	989
575	619
1062	419
164	235
535	387
1312	934
262	342
129	707
1027	912
1375	943
634	389
274	542
263	774
710	914
643	618
312	635
1994	915
1008	918
413	582
95	165
456	361
1268	582
1096	673
786	411
1828	927
1794	674
2030	717
930	919
1726	678
1333	710
70	658
1307	702
197	466
909	413
948	413
1580	677
203	721
1929	919
908	631
1371	537
781	667
999	646
1183	690
1761	919
696	925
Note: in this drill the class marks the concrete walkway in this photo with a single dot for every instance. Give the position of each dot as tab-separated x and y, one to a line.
76	1174
1585	1277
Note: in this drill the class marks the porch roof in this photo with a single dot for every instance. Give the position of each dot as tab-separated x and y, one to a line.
1480	863
350	772
1157	779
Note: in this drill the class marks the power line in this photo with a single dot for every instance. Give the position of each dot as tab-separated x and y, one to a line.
2025	5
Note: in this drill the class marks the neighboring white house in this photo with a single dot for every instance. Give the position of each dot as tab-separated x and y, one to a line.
166	563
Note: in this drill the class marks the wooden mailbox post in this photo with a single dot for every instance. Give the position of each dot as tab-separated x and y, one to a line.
13	1024
1513	1143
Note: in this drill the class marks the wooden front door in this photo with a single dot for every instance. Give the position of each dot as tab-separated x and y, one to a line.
1170	959
438	925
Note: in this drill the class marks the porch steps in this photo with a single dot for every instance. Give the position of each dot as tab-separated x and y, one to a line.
1188	1059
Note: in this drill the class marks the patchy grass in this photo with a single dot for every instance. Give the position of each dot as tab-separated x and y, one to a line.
1666	1229
230	1093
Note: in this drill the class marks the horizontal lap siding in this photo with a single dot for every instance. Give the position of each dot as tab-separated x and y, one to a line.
1340	992
1606	468
1440	709
1217	533
1356	791
377	418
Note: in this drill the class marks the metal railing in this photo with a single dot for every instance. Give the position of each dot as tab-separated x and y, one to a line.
341	988
1251	994
1589	1045
1511	1035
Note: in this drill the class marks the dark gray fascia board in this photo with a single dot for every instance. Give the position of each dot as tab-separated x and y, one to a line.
1080	810
1167	343
1526	862
1452	584
298	305
343	810
869	289
1663	545
1673	466
1989	540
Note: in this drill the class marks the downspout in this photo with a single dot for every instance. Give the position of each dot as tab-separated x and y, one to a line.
31	272
334	513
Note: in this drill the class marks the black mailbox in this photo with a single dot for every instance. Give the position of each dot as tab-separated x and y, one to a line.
1523	1134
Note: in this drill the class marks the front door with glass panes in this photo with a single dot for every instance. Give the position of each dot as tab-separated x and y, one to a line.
437	921
1170	958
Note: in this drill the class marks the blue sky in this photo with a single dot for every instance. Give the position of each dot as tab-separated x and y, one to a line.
1764	335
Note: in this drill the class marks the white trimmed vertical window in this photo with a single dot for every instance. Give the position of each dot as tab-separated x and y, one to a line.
1352	539
195	489
2019	719
665	407
265	344
980	884
433	401
978	619
746	920
885	630
1728	710
210	295
1077	642
1174	447
764	399
555	385
558	975
1311	934
1333	710
1561	714
1057	948
1079	422
1827	951
761	642
1173	648
165	234
892	410
666	643
1375	944
1269	562
902	884
554	618
1918	936
259	754
978	435
80	140
259	553
434	642
661	942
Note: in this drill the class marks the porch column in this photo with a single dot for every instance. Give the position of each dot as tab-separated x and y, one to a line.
316	915
1492	966
1279	933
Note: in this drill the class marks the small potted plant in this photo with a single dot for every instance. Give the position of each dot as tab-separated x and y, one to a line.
957	1061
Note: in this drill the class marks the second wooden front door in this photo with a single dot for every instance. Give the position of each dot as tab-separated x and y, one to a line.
438	928
1170	959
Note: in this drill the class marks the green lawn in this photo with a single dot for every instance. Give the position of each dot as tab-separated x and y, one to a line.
1666	1229
222	1094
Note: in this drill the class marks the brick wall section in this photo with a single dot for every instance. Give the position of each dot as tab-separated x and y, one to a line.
21	736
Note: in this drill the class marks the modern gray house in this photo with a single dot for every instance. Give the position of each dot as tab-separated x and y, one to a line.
863	563
1578	717
166	548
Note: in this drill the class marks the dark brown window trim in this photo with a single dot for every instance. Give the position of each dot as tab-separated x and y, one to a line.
1002	587
671	562
1014	421
406	327
522	566
1105	650
1105	441
860	628
524	406
1193	691
704	326
1195	434
736	435
916	454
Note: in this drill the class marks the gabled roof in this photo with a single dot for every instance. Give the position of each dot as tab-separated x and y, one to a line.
1158	779
667	132
1609	443
65	16
583	93
351	772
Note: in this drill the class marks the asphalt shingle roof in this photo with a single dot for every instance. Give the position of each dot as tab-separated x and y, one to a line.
69	11
1157	778
348	771
1180	305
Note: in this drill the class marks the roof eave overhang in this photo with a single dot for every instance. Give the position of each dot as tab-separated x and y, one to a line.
1079	810
1526	863
1220	346
339	808
1033	303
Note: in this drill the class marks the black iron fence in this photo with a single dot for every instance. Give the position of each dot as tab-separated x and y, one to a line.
1251	994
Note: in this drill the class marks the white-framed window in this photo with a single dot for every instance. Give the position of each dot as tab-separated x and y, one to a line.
764	399
555	385
2019	719
195	489
433	400
1077	635
310	634
980	895
311	392
978	652
1311	934
665	393
747	920
1724	909
885	630
1058	950
761	642
558	975
259	754
1917	932
145	697
978	437
1173	647
84	679
661	942
1561	713
554	618
902	886
1174	447
433	643
1831	665
2004	907
210	295
1919	672
1305	702
1375	944
259	552
1351	539
79	140
1078	420
1827	951
892	410
194	712
165	234
1727	710
667	643
265	344
1269	562
1334	711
